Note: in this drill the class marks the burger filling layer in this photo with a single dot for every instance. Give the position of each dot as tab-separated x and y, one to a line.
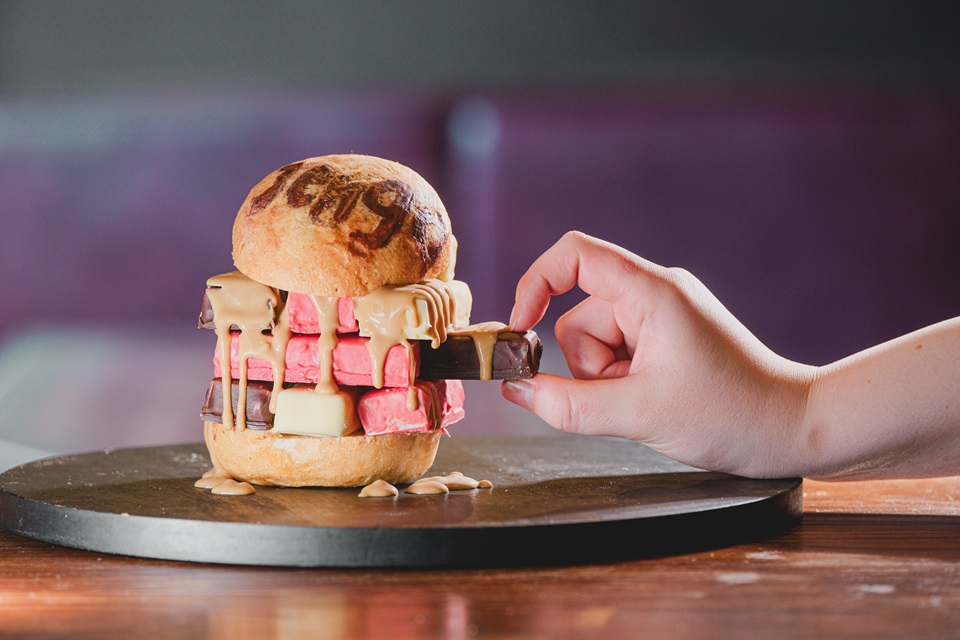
359	356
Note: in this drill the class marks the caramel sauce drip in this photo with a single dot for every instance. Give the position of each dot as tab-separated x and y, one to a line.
432	485
217	474
453	481
218	479
436	408
378	489
252	307
329	321
427	486
231	487
259	314
484	337
390	316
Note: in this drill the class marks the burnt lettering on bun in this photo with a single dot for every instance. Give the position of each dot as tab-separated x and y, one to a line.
390	201
329	195
263	198
330	198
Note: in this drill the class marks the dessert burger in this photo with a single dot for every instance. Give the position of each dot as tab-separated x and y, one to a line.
342	337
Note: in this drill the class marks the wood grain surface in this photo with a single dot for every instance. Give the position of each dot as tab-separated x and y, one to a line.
870	560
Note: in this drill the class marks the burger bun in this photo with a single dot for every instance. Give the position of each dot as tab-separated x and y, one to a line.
272	459
342	225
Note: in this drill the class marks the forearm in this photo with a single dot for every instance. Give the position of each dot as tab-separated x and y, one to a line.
890	411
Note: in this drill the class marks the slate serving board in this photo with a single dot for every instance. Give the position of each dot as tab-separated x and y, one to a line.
556	500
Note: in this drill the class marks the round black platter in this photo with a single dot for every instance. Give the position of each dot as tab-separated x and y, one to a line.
555	500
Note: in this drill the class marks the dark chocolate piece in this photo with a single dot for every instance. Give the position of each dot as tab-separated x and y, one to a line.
206	314
258	403
515	355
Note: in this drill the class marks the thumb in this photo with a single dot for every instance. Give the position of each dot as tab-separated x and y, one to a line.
589	407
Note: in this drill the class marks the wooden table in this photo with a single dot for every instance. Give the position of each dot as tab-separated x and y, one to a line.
870	560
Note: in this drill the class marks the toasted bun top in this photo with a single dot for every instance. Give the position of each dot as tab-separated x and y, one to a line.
342	225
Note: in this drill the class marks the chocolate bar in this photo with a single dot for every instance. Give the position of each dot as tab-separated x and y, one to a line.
206	314
515	355
258	403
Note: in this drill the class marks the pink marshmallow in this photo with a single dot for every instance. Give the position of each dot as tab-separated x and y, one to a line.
302	315
384	411
352	364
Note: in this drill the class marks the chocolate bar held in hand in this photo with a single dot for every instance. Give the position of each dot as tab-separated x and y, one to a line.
515	355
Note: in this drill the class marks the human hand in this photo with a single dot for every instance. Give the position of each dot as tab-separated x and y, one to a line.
655	357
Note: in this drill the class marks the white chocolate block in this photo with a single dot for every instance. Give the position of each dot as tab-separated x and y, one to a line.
305	412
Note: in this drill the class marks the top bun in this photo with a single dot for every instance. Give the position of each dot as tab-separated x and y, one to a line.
342	225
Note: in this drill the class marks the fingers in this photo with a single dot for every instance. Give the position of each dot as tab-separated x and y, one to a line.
599	268
593	342
589	407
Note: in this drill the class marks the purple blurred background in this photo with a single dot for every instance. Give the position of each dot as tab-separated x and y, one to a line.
803	162
826	219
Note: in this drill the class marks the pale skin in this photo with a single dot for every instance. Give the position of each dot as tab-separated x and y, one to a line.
656	358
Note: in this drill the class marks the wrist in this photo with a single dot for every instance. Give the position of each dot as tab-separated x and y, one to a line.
786	424
807	429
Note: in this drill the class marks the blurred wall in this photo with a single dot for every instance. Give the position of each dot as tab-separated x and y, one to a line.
801	159
63	47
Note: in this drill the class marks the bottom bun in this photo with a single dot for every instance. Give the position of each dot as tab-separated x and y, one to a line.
273	459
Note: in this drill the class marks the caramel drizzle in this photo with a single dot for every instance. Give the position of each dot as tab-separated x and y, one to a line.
436	410
329	319
378	489
484	336
259	313
390	315
453	481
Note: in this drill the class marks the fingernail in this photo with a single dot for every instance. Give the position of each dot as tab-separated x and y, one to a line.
519	392
513	319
